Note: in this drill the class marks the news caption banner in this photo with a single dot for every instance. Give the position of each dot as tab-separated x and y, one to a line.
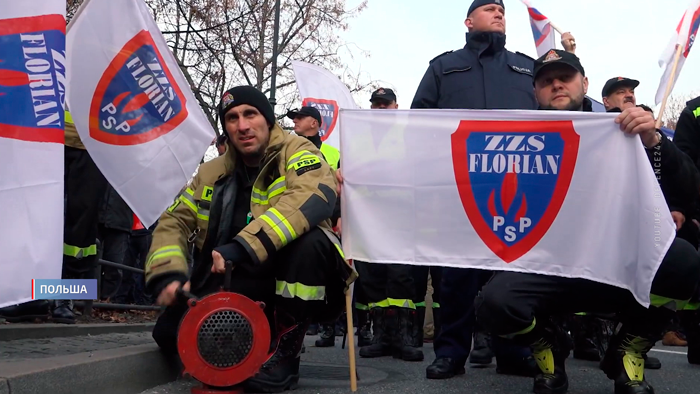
545	192
64	289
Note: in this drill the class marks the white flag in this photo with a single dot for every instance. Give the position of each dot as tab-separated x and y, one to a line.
683	36
544	192
322	89
32	93
132	106
542	30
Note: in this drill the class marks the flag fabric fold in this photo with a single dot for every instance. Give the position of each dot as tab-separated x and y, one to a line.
542	30
32	96
542	192
132	106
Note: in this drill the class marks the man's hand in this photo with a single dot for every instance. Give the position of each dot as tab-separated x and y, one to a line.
678	218
219	265
339	227
168	296
568	42
636	120
339	178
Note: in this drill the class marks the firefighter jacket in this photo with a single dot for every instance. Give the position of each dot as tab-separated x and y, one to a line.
71	134
294	191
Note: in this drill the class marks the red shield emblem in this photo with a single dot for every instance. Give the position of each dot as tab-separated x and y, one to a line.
329	113
513	177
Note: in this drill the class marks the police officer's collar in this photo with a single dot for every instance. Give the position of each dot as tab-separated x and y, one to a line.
482	41
316	140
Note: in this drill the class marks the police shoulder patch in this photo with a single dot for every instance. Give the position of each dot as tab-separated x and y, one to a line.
525	56
439	56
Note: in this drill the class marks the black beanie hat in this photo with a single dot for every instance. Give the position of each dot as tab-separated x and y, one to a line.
245	95
480	3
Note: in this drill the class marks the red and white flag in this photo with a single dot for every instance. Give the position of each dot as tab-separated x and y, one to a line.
684	36
542	30
133	108
32	96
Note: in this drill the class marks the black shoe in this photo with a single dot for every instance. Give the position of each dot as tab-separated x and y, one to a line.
403	341
281	371
364	336
651	362
588	334
29	311
327	337
312	330
624	362
444	368
690	321
549	344
417	332
63	312
381	340
482	353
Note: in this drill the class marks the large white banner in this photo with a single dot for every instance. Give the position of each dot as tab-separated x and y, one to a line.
548	192
132	106
323	90
32	93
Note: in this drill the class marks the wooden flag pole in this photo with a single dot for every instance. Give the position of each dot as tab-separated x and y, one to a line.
671	81
351	341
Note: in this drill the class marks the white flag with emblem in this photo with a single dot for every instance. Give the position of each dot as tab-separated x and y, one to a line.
132	106
546	192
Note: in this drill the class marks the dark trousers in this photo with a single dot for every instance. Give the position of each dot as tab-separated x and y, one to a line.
311	260
459	289
420	278
133	287
115	244
510	301
84	188
386	283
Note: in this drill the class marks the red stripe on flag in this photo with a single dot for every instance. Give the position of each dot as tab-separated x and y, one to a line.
32	23
32	134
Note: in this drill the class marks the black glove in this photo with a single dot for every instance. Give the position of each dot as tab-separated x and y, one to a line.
234	252
156	285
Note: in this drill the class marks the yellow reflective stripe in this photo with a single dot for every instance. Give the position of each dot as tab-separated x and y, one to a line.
277	187
258	196
68	117
523	331
280	225
78	252
436	305
361	307
165	251
697	112
304	161
305	292
420	304
297	156
207	193
670	303
188	198
203	214
692	306
389	302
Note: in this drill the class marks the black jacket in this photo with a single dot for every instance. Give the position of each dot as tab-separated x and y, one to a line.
316	140
687	139
114	212
482	75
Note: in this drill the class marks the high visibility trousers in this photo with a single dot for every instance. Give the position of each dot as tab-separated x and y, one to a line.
304	280
387	285
420	278
84	189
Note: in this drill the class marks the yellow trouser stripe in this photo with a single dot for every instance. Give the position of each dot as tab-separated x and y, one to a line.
299	290
361	307
78	252
522	332
165	251
389	302
692	306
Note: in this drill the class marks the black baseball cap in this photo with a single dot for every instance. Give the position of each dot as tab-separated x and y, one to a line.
306	111
383	94
557	56
616	83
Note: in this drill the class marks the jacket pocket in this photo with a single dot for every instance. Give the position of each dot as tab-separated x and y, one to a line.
456	69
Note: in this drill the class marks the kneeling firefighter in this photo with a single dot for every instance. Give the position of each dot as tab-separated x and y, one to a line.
265	206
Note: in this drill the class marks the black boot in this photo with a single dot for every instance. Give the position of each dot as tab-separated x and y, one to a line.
549	349
624	360
690	321
29	311
313	329
417	334
583	335
381	340
327	337
482	353
364	330
63	312
651	362
281	371
403	342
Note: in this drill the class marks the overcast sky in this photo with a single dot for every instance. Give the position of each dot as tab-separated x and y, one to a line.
614	37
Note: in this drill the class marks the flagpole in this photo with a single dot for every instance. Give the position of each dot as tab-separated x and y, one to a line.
275	50
671	81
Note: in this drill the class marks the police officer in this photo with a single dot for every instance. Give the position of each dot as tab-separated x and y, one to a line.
265	206
520	305
307	123
482	75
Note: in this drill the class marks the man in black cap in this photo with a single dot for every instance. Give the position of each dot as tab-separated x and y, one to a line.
307	123
520	305
265	206
383	98
482	75
618	92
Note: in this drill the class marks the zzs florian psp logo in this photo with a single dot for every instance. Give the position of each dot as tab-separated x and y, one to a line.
513	177
137	99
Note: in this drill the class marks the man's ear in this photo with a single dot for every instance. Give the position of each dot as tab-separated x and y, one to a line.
585	85
606	103
468	23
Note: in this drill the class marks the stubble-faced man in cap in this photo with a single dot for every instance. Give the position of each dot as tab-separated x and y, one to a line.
520	305
618	92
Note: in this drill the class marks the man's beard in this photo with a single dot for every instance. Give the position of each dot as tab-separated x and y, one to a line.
574	105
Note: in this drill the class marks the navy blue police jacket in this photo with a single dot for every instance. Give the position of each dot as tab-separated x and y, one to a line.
482	75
